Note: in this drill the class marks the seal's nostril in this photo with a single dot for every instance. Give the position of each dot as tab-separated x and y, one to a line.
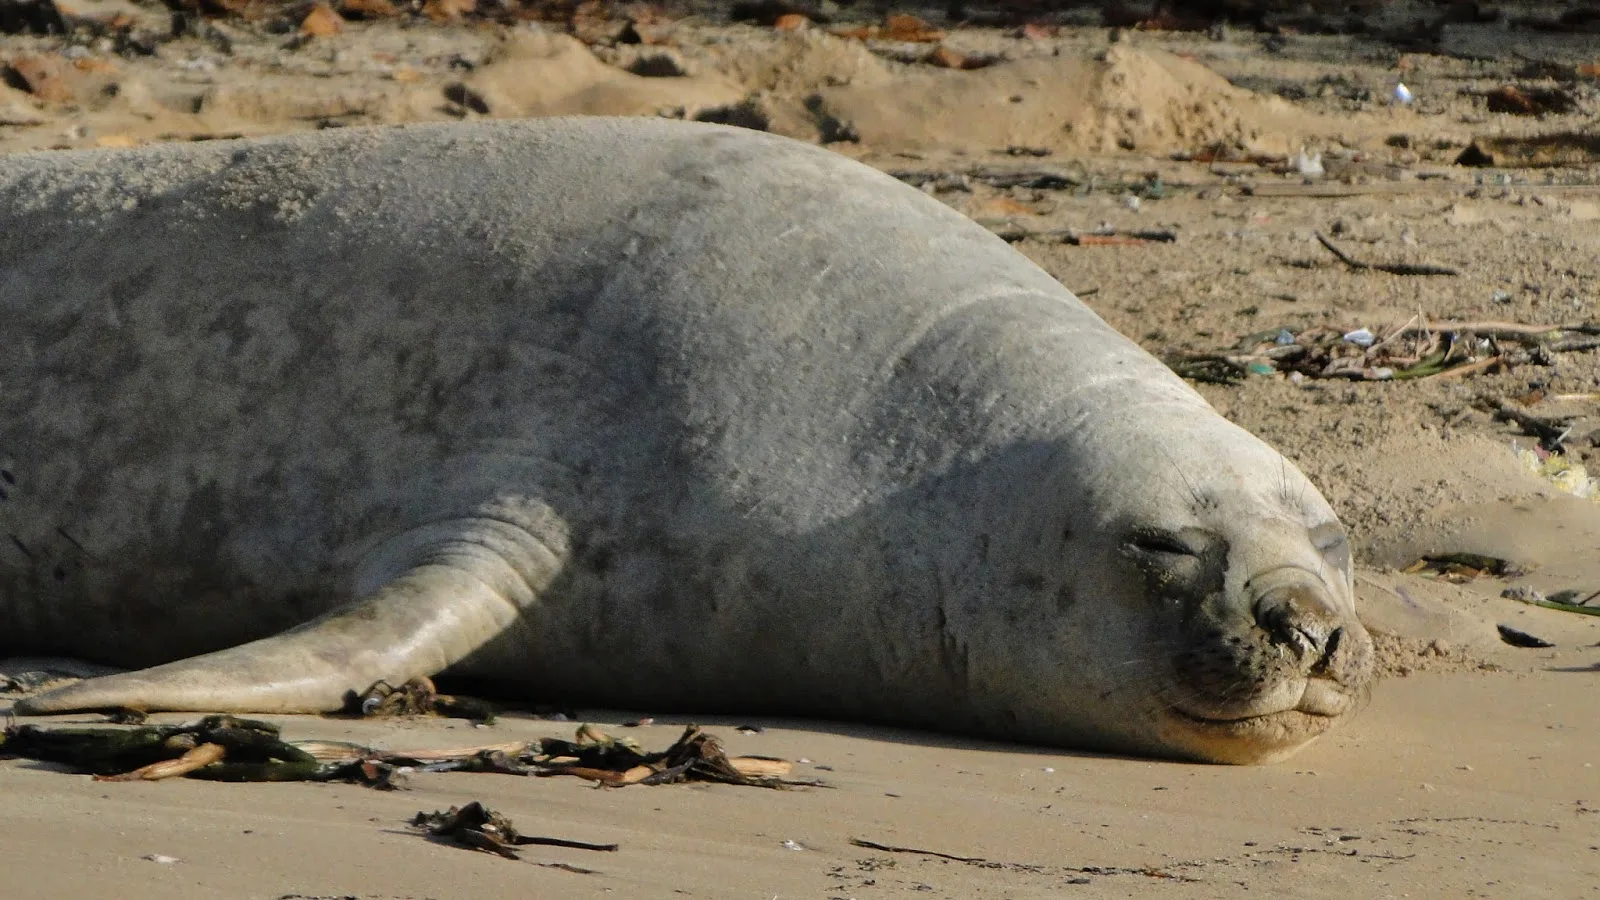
1329	648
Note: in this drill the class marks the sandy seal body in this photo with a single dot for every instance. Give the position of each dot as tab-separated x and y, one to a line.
630	412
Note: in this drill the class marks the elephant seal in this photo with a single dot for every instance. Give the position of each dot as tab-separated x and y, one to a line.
626	412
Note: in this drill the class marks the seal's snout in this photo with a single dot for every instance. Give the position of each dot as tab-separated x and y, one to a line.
1328	647
1300	618
1298	615
1261	684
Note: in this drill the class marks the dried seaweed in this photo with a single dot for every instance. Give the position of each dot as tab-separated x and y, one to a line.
696	756
224	748
477	827
1459	568
121	751
417	697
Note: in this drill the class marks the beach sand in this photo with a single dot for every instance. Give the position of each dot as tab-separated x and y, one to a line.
1473	772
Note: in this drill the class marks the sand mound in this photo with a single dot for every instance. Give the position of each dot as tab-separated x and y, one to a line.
1130	98
1152	101
534	73
806	84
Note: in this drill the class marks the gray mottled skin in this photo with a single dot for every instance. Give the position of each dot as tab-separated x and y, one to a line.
632	412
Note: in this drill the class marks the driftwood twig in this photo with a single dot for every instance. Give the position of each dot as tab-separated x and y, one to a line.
890	848
1391	268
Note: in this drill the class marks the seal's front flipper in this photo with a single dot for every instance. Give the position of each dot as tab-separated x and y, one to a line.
453	596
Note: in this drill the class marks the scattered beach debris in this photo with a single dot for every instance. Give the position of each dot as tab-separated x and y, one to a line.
1518	638
225	748
1567	148
695	756
160	859
1560	470
995	177
1361	337
217	747
1168	873
1551	431
1565	601
1460	568
1527	101
417	697
1011	232
890	848
1418	349
477	827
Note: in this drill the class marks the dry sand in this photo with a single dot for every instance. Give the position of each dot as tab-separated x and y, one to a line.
1473	772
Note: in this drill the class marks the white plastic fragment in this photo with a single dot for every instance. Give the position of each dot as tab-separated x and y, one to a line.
1309	164
1361	337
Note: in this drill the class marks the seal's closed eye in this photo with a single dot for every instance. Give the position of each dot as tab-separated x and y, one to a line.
1157	542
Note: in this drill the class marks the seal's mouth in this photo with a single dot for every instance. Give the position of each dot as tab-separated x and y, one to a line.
1264	736
1319	698
1251	724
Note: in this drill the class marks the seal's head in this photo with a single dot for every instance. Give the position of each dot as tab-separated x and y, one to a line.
1259	650
1186	594
1256	649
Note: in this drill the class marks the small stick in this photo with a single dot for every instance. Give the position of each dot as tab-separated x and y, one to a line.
1403	329
887	848
1502	329
1106	240
563	842
1391	268
1339	253
1506	330
566	867
1572	345
1578	608
1468	369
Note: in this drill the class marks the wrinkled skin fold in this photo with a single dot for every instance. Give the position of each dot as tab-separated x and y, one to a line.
627	412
